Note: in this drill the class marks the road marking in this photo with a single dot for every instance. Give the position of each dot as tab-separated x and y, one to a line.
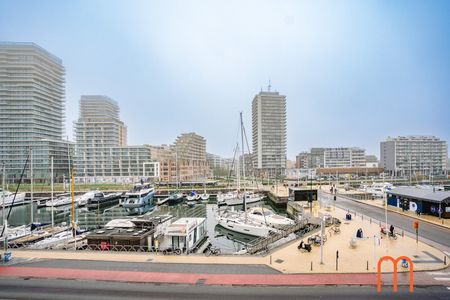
448	288
442	278
439	273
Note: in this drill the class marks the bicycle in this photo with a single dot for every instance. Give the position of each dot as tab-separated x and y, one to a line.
168	251
316	240
335	230
392	235
212	250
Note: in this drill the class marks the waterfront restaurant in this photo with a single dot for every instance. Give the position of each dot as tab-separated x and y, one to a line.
424	201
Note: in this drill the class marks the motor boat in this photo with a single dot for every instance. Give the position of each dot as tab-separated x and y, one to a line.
266	216
141	195
193	196
84	199
175	198
100	199
204	196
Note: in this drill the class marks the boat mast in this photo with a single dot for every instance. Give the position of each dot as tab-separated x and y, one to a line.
51	195
31	183
243	157
3	196
243	166
73	208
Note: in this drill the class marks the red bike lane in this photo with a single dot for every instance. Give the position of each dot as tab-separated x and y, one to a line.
190	278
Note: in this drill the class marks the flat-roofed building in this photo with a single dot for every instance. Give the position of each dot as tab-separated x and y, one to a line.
101	146
414	155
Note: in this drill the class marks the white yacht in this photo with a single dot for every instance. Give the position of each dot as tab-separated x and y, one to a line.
204	196
58	238
142	194
266	216
63	199
9	197
14	233
239	222
379	189
238	198
221	197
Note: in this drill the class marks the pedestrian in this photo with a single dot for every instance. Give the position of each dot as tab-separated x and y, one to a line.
391	229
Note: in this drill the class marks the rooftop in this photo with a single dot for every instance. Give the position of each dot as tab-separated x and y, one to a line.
422	194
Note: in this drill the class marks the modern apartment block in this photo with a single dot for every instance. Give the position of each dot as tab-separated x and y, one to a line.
341	157
183	161
190	150
269	133
414	155
32	112
101	143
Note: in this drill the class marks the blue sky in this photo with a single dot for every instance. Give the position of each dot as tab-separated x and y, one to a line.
354	72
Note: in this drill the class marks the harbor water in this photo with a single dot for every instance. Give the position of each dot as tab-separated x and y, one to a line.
228	241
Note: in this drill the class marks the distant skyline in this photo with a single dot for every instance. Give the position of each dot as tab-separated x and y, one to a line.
353	72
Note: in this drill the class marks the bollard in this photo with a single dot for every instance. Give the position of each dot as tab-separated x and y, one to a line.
445	260
311	266
403	233
271	259
367	267
370	220
337	259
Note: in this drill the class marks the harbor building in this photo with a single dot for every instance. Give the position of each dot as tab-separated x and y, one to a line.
423	201
414	156
32	112
102	153
269	133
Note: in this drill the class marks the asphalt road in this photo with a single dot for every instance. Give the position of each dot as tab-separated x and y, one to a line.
437	234
79	290
149	267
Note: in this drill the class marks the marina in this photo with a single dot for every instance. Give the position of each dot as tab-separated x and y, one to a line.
95	217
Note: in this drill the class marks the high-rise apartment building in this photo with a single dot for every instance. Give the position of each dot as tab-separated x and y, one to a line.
269	133
414	155
101	143
32	111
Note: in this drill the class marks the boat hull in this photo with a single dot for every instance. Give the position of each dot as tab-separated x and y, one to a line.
244	228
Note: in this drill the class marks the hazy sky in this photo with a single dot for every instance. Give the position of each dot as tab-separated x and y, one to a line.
354	72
